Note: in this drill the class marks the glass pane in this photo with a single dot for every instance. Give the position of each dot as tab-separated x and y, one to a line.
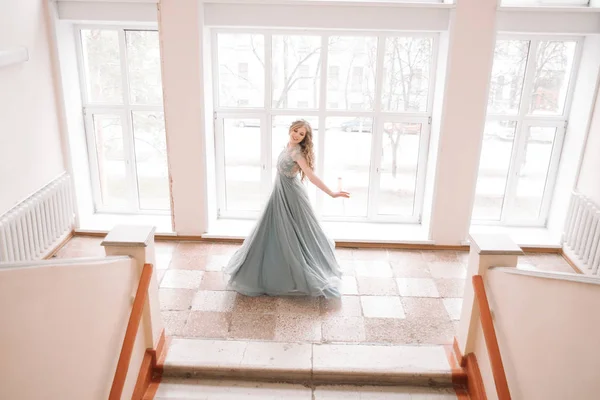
553	64
151	160
241	70
398	172
533	172
101	59
112	166
406	73
296	71
143	63
496	152
508	74
351	65
242	164
347	164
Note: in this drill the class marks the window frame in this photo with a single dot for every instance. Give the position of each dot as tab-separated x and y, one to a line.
524	120
267	112
125	110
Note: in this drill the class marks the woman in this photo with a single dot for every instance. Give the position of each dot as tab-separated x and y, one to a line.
288	253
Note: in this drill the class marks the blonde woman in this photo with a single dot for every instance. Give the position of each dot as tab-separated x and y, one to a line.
287	252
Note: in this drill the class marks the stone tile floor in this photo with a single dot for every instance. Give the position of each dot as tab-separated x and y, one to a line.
389	296
176	389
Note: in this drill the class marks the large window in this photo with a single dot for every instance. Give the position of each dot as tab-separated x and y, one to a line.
122	101
367	96
528	104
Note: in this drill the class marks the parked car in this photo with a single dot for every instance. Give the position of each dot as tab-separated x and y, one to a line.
357	125
255	123
402	127
243	123
535	135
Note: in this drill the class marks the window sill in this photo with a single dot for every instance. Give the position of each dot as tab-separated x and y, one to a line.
338	231
353	3
551	9
106	222
524	237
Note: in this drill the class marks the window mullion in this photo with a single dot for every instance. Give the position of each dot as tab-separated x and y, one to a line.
93	158
559	137
220	165
377	140
421	170
127	118
215	69
520	134
515	167
267	129
435	48
83	78
529	78
320	165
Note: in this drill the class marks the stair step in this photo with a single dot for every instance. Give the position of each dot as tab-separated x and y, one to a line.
177	389
309	363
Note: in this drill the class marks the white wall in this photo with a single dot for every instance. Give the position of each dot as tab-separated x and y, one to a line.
579	119
556	354
463	118
63	325
589	178
181	38
30	146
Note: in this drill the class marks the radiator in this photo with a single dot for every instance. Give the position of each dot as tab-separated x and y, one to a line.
32	228
581	237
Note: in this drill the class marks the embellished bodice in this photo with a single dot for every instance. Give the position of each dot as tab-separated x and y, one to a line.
286	162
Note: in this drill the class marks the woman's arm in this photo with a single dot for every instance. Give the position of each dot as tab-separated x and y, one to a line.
316	181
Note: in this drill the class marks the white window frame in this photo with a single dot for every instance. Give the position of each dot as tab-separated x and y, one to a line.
523	121
123	110
267	112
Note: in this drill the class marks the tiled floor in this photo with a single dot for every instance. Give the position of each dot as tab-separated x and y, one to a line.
389	296
178	389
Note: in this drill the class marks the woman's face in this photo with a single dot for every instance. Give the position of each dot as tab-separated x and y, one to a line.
297	134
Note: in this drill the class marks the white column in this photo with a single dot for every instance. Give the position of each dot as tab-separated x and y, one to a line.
138	243
486	251
181	40
470	58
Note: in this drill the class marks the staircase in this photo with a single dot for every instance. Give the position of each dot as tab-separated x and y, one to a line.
223	369
172	389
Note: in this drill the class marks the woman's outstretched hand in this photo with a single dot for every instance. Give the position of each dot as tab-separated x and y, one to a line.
340	194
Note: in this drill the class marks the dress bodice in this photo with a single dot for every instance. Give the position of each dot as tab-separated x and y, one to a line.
286	162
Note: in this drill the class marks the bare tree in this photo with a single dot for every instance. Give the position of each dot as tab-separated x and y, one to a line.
405	89
551	64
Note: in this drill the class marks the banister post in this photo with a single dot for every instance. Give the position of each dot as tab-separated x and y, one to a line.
487	251
138	242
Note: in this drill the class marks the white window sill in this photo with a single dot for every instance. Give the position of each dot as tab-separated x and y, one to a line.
524	237
339	3
338	231
106	222
550	9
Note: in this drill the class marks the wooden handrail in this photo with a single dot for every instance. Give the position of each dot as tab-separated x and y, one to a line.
491	342
132	327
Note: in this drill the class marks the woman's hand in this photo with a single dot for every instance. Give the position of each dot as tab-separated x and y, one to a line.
340	194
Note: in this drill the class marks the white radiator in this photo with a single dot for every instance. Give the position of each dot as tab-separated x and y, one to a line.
581	238
32	228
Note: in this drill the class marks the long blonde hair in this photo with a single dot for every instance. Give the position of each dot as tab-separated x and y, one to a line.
306	145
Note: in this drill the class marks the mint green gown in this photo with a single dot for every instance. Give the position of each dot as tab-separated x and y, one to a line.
287	252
